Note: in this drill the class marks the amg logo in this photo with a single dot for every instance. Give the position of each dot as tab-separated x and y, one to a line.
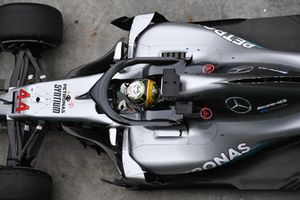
59	96
283	101
223	158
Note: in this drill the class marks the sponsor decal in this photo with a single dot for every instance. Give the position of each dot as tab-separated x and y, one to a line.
273	106
70	104
240	70
224	158
232	38
59	98
274	70
22	106
238	105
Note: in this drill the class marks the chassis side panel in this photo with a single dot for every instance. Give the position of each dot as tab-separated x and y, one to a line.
269	169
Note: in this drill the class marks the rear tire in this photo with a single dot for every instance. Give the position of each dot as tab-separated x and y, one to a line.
24	184
35	23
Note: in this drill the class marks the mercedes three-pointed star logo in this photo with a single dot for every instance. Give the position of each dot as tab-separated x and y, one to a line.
241	70
238	105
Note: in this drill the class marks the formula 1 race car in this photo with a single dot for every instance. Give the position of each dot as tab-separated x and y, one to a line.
179	104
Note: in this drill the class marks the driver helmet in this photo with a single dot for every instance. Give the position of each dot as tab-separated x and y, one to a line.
143	92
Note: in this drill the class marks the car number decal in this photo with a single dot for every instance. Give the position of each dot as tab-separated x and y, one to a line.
21	105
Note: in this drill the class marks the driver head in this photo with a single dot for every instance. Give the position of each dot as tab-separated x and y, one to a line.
143	92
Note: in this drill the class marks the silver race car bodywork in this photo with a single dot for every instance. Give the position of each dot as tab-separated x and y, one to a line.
249	99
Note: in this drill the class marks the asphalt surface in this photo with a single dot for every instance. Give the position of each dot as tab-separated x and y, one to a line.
88	35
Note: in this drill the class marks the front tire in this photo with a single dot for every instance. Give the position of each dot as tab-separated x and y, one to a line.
24	184
37	23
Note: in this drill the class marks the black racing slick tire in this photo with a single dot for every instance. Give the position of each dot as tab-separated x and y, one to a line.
24	184
30	22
